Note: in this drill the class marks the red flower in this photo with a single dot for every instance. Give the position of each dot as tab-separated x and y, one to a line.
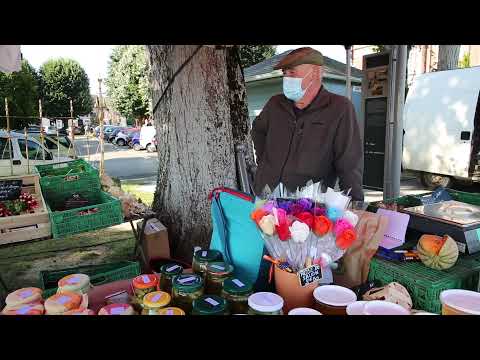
321	225
306	218
283	231
346	239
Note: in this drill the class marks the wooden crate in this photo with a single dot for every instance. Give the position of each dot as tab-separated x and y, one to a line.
27	226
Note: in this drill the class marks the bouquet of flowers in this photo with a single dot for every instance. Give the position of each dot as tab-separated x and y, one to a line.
305	227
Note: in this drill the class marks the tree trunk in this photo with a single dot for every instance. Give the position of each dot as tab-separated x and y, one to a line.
201	118
448	57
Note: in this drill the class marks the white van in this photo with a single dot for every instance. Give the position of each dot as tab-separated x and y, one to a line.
15	155
147	136
442	127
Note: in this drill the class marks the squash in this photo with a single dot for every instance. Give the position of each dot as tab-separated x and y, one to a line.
437	252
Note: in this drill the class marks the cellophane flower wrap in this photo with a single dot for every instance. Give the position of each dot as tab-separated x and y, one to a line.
305	227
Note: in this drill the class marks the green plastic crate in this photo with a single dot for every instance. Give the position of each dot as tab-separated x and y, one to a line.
68	177
69	222
424	284
99	275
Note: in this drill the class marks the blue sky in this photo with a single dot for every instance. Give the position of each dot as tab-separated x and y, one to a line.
94	58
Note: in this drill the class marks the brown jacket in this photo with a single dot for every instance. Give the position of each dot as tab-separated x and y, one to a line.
323	143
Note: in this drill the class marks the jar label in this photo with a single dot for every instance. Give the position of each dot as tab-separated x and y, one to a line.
188	279
238	283
24	310
73	280
145	279
169	312
204	254
117	311
212	302
174	267
157	297
217	267
25	294
63	299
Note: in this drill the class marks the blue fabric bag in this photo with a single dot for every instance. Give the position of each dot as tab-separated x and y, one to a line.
236	236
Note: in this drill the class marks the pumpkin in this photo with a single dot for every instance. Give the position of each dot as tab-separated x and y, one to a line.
437	252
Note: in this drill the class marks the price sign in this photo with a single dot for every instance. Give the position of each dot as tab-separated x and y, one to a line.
10	189
309	275
59	124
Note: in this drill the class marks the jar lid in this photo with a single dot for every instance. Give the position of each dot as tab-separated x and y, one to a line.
219	268
156	299
265	302
171	269
304	311
466	301
334	295
116	309
209	305
74	281
236	286
207	255
145	281
62	302
24	309
187	282
24	296
80	311
171	311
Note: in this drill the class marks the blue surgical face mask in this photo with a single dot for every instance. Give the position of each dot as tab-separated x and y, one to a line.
292	87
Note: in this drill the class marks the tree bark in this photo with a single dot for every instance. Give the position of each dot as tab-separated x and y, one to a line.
448	57
201	118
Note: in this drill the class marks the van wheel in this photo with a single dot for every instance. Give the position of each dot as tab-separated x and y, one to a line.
121	142
432	181
151	148
137	147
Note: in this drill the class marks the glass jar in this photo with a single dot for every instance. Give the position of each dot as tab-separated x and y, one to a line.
171	311
144	284
236	292
155	301
201	258
265	303
210	305
167	272
217	272
186	288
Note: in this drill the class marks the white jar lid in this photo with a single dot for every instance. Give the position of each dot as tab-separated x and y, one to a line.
356	308
265	302
304	311
382	307
334	295
463	300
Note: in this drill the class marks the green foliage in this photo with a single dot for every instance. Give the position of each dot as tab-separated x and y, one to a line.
62	80
379	48
464	61
128	82
253	54
21	90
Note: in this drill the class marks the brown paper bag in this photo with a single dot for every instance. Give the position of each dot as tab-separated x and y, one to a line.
356	261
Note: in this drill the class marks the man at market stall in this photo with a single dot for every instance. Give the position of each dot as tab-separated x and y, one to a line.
307	133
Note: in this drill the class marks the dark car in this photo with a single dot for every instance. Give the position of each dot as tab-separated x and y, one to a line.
113	134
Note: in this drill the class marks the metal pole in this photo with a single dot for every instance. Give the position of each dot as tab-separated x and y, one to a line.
396	163
349	72
26	150
242	169
41	127
9	140
100	109
72	129
58	143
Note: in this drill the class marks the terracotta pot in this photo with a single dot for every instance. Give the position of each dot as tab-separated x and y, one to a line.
294	295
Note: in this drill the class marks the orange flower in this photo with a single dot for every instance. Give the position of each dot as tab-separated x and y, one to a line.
321	225
346	239
258	214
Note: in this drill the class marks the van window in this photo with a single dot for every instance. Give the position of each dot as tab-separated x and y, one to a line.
34	150
50	144
5	150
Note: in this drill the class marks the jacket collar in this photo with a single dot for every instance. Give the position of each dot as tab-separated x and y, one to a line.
320	101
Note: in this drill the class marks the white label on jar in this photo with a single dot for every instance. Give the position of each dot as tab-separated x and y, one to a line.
169	312
174	267
117	311
238	283
23	310
25	294
204	253
212	302
73	280
146	279
63	299
188	279
157	297
217	267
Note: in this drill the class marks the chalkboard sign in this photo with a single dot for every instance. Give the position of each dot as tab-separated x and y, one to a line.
10	189
309	275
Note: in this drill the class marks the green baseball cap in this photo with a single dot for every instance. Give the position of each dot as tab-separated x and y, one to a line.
304	55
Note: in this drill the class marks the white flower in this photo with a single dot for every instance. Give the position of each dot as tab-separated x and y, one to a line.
299	231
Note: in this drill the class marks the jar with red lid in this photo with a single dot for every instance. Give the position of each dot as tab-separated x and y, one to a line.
143	285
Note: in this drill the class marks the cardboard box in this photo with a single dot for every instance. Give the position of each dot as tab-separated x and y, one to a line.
155	241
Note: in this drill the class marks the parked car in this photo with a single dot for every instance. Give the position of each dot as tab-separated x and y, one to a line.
113	134
15	155
124	136
135	142
147	134
106	128
51	142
